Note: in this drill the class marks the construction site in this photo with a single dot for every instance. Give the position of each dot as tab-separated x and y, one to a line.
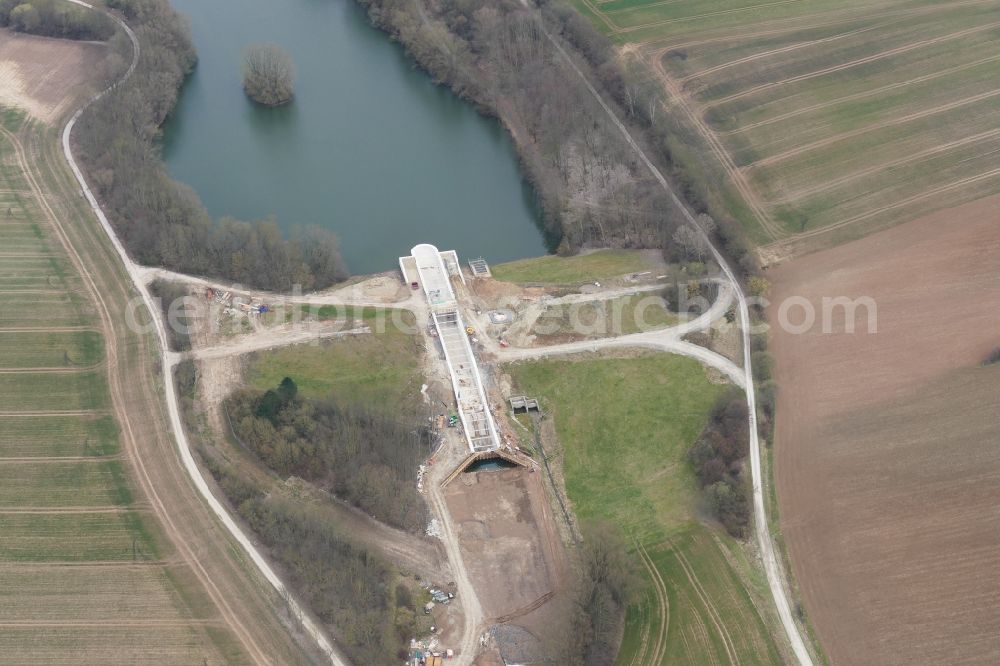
495	561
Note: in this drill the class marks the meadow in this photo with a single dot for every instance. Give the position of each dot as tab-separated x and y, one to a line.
378	370
625	461
828	120
587	267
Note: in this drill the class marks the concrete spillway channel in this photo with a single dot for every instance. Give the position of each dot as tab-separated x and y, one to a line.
473	409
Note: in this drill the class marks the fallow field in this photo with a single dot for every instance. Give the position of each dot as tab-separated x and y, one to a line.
830	119
886	460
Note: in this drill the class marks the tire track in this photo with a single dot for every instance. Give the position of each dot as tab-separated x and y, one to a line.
51	371
779	250
639	658
118	400
54	329
713	612
853	63
903	161
685	19
48	413
736	175
900	120
783	49
663	603
861	95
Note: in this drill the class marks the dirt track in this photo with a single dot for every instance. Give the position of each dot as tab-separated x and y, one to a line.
886	461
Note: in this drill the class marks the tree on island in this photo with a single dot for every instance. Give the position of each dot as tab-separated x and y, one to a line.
268	74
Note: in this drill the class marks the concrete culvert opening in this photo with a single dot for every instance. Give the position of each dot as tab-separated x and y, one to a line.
490	465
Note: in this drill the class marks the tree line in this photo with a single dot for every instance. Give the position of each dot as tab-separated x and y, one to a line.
592	189
55	18
163	222
718	459
366	457
600	596
347	586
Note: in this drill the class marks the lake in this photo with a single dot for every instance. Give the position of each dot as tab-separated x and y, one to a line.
369	148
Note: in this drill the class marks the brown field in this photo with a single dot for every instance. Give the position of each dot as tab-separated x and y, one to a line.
887	466
36	72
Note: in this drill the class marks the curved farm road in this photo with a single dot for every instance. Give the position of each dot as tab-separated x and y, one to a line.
251	598
775	574
116	385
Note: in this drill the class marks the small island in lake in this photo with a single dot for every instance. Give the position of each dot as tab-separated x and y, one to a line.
268	75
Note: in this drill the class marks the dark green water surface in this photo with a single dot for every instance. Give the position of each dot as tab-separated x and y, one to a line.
370	148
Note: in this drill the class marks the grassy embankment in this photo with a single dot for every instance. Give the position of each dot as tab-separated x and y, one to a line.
625	426
378	369
599	265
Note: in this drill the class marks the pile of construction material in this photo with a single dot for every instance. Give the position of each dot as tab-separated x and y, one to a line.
235	304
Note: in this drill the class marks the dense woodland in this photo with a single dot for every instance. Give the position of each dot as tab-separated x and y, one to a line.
717	458
55	18
161	221
346	586
592	188
363	456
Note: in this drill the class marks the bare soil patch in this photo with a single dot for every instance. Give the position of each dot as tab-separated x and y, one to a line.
507	536
887	468
41	75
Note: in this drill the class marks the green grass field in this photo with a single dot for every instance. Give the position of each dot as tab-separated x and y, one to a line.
63	499
58	484
71	349
598	319
77	537
625	426
599	265
377	369
839	117
57	436
53	392
67	496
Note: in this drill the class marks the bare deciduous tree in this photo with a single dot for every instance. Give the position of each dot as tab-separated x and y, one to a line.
268	74
690	242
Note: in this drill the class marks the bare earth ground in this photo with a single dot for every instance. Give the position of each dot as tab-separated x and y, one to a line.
888	473
508	540
35	72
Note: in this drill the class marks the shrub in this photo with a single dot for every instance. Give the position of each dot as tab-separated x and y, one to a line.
268	75
717	458
763	364
994	357
55	18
